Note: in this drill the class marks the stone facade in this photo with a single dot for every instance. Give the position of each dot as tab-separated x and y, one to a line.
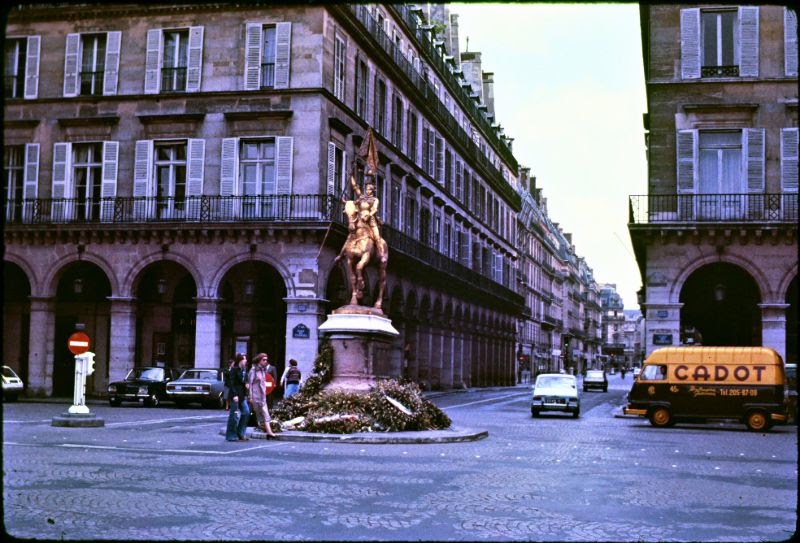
126	214
716	236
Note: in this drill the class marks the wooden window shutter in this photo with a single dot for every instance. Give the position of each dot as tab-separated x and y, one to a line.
62	154
790	42
108	187
252	56
142	176
283	170
283	52
789	143
152	66
30	183
687	157
111	76
194	72
71	54
754	155
229	165
196	154
748	32
331	186
228	178
32	55
690	43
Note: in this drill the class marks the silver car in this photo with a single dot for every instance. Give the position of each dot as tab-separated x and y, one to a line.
204	386
556	392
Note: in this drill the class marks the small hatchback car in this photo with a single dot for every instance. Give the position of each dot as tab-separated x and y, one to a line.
555	392
12	384
595	379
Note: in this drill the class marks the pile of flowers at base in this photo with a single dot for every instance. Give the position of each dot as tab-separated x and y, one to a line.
390	406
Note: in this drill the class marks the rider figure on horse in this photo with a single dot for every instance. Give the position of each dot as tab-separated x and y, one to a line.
367	205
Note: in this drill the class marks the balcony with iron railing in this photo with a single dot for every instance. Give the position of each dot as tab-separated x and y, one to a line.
302	211
438	109
713	208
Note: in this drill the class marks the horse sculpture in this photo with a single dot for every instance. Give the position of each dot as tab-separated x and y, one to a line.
360	248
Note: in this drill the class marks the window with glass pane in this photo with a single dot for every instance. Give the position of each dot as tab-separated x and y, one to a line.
259	189
93	59
14	67
361	89
394	217
339	50
13	181
721	183
719	43
170	165
380	105
175	61
397	121
411	216
268	57
87	169
412	136
425	226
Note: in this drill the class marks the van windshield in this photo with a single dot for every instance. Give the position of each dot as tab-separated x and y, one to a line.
654	372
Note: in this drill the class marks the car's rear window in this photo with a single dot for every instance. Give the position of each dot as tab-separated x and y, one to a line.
554	381
595	374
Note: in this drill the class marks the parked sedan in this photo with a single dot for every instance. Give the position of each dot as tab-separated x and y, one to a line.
197	385
12	384
595	379
555	392
147	383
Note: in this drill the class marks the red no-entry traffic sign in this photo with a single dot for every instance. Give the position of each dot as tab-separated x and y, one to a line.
78	343
270	383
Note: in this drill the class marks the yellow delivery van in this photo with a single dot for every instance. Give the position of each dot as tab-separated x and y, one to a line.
680	383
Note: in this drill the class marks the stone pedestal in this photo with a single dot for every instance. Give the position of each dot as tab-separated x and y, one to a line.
71	419
362	343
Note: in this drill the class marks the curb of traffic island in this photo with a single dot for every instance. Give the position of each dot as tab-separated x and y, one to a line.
448	435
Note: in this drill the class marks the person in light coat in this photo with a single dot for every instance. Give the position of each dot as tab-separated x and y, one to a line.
257	379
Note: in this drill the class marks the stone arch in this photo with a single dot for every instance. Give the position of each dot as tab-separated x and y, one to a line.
216	280
720	306
748	266
131	279
50	281
26	269
786	282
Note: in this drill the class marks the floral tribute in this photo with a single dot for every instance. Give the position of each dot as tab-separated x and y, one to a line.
390	405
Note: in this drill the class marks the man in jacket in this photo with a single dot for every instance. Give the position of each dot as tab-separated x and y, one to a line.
240	411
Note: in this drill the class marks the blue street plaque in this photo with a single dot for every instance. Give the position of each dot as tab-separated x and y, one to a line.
301	331
662	339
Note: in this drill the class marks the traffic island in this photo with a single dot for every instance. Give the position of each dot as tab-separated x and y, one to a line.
77	420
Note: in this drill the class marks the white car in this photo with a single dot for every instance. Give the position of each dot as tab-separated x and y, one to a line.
12	384
556	392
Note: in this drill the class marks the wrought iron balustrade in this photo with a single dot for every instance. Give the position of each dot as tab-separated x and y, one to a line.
719	71
713	208
202	209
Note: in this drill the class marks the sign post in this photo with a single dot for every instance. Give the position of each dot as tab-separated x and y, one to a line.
78	414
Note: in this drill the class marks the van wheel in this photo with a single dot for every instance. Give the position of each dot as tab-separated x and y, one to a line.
757	421
660	417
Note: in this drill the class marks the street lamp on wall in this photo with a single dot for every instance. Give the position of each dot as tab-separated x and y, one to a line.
77	286
719	292
161	286
249	287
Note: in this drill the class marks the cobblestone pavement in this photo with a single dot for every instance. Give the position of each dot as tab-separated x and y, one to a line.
167	474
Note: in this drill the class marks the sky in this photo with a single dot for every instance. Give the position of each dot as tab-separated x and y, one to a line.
569	88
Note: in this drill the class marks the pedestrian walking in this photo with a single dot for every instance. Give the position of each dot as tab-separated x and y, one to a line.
240	410
290	380
623	370
257	378
226	382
